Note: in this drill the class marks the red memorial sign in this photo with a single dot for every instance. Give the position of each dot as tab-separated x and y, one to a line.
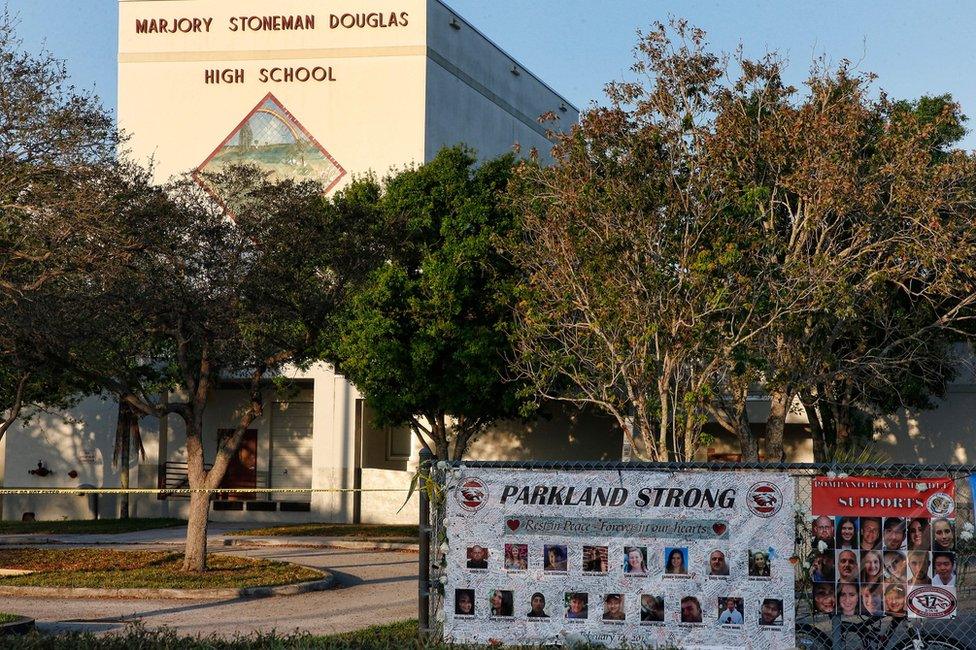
883	547
871	496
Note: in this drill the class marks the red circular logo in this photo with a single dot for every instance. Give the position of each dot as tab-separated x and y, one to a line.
764	500
931	602
472	494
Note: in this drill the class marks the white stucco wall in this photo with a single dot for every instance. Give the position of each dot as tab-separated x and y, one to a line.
79	439
370	117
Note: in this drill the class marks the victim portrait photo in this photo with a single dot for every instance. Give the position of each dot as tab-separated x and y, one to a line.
501	603
771	613
943	535
731	610
759	566
895	597
824	598
918	568
847	532
691	610
870	533
919	535
537	606
872	599
848	599
718	564
613	607
635	560
516	557
554	558
652	609
576	604
675	561
464	602
477	557
872	567
822	567
895	535
896	566
822	532
596	559
847	566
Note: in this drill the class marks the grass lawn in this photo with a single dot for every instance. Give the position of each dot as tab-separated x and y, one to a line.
94	527
360	531
382	637
8	618
108	569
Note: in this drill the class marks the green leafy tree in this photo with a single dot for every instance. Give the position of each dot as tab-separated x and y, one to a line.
426	340
57	192
207	300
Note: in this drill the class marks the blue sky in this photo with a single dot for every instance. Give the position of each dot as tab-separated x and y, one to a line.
576	46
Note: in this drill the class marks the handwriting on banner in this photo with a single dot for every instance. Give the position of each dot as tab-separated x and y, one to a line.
620	558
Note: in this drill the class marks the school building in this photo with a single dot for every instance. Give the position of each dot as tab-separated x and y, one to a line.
326	91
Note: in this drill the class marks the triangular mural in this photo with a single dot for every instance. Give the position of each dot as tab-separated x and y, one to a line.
271	138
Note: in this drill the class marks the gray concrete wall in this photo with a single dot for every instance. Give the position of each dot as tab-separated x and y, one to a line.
473	97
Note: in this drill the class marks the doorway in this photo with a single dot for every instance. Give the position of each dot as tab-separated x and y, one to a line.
242	472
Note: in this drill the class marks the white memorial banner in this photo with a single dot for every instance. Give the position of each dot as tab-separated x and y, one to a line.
620	558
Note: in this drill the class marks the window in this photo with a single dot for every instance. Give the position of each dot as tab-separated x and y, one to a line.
398	443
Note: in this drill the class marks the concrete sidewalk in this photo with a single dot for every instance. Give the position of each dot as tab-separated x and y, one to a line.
371	588
217	538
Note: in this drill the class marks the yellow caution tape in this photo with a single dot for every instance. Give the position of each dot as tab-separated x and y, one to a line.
83	491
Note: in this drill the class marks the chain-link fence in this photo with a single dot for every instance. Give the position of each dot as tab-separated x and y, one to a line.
854	575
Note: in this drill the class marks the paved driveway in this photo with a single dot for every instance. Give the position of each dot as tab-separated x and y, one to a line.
372	587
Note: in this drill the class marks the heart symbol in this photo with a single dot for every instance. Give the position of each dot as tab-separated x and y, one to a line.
719	528
513	524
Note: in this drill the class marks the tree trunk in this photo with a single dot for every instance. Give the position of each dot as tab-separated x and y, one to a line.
195	555
748	445
844	422
659	451
779	405
125	446
816	430
733	416
14	411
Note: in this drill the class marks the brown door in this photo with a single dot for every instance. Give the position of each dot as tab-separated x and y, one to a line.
243	469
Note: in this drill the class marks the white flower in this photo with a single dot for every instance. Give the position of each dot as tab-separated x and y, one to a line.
443	580
969	526
831	475
806	565
442	465
445	548
965	535
841	475
822	546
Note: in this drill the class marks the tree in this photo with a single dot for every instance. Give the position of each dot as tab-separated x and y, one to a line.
426	339
643	283
868	220
708	234
57	164
207	300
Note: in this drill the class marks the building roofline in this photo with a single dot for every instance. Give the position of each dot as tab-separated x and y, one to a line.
515	61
